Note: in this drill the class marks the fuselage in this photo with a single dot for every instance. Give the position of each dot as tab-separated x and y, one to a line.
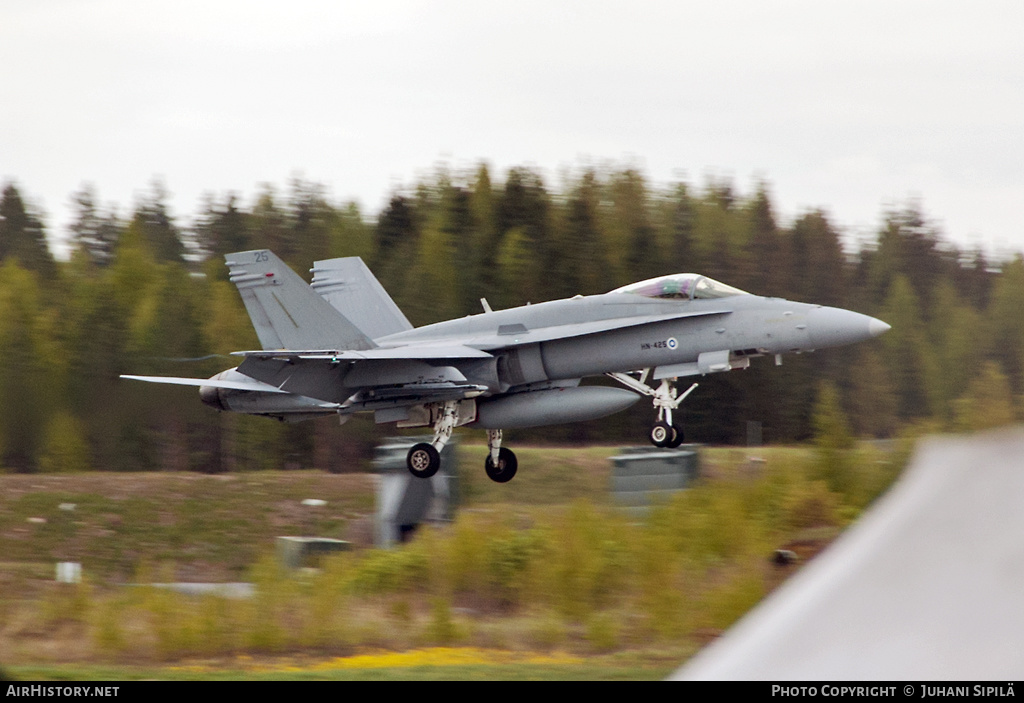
557	343
643	333
498	370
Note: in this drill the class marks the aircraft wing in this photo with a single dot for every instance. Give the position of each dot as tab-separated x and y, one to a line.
514	335
412	352
414	373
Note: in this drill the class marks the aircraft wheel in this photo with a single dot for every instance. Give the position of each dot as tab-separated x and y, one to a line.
423	460
678	439
506	468
662	434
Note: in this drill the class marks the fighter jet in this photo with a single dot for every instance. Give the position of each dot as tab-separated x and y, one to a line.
341	346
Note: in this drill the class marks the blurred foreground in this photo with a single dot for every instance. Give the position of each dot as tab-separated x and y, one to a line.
550	568
927	586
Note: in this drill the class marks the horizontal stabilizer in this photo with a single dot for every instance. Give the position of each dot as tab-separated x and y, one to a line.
246	385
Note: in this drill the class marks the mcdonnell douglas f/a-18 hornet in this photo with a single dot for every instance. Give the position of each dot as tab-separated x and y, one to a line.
342	346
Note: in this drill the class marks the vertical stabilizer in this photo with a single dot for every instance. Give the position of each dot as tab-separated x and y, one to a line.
287	313
352	289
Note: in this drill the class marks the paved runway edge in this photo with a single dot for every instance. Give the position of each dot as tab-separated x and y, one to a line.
927	585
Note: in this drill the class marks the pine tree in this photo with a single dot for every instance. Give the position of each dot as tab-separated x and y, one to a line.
1004	323
33	372
718	233
222	228
351	235
93	233
832	440
312	219
957	337
873	404
23	237
766	248
906	352
524	207
582	255
631	230
818	267
679	251
987	403
155	224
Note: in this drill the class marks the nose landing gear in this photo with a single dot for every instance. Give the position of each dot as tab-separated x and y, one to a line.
666	399
665	435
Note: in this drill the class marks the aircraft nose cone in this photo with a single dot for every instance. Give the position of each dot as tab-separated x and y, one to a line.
833	327
877	327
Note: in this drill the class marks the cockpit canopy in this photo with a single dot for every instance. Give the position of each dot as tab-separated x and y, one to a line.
681	286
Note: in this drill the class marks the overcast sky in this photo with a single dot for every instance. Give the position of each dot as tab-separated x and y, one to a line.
847	106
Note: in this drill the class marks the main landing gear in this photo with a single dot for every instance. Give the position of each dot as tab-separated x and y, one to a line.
665	432
500	463
424	459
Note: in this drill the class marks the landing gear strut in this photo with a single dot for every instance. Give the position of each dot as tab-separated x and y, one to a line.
424	459
665	432
501	463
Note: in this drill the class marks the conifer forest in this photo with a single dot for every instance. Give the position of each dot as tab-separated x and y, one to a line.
145	291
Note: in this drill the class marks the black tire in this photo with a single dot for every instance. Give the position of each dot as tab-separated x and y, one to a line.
506	468
423	460
678	439
662	434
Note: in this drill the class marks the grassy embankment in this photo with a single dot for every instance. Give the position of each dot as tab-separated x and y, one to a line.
541	577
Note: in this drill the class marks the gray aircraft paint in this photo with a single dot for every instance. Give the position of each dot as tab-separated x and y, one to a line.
345	347
287	313
352	289
552	406
761	325
236	392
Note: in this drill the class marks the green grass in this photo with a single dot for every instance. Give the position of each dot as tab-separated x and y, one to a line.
546	475
212	527
543	564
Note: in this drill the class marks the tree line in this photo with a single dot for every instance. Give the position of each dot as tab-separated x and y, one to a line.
148	293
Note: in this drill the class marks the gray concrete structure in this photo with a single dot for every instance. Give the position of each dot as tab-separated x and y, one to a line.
306	552
403	502
644	476
928	585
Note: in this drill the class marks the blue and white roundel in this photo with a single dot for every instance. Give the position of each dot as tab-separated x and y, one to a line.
672	343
